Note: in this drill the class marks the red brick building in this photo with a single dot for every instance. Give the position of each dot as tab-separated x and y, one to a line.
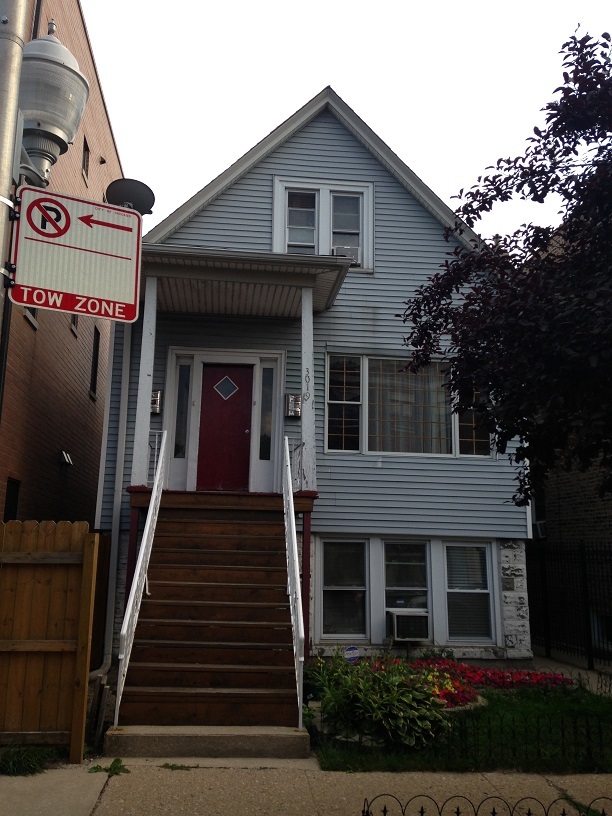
56	368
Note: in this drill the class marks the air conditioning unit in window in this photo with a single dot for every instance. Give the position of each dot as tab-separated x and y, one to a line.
409	624
347	252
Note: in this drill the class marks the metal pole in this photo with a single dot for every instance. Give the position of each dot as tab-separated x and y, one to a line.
13	15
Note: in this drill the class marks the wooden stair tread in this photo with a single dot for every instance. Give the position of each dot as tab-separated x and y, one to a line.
238	667
209	691
217	604
225	584
211	644
229	623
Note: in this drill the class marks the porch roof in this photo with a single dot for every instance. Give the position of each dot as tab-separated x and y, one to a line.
198	280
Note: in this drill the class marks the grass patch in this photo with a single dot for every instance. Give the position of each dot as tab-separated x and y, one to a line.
26	760
540	730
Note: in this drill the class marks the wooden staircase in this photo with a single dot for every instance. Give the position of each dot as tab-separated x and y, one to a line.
213	643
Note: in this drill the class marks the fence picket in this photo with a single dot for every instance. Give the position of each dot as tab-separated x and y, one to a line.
46	607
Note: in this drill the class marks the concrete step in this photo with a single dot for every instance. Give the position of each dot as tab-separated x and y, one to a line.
206	741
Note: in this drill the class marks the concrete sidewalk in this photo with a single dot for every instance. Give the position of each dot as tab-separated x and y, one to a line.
234	787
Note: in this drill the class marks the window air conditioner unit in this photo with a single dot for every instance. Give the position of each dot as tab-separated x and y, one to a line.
410	625
347	252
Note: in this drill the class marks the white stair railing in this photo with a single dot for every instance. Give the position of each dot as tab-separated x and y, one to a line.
139	582
294	589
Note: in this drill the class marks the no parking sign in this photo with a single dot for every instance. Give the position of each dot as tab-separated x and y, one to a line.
74	255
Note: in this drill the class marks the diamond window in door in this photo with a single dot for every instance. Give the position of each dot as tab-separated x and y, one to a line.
226	388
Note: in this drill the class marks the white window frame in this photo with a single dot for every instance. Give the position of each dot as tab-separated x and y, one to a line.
264	475
346	637
437	591
489	591
364	413
324	189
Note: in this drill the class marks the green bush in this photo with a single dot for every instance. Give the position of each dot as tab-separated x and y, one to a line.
376	702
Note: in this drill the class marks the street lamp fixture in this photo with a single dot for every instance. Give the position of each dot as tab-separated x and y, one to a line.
52	97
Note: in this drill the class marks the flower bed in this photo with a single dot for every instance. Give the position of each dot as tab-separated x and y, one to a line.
456	684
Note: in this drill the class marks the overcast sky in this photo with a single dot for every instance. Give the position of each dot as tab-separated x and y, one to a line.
191	86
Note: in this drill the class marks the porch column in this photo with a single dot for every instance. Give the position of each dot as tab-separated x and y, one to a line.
140	460
309	470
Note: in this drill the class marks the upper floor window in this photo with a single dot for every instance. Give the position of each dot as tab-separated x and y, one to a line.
324	218
85	158
373	404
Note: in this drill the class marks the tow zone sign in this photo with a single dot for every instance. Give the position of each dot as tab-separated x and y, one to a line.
73	255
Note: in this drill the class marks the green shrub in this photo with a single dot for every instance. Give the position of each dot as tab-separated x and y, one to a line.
376	702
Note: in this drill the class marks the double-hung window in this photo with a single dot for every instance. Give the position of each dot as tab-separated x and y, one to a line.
344	588
468	594
324	218
374	405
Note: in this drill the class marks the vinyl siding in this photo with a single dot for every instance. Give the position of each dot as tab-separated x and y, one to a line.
359	493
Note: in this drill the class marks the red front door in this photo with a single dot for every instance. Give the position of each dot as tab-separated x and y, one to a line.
225	427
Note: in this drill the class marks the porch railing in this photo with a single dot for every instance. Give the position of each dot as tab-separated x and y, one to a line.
130	619
293	580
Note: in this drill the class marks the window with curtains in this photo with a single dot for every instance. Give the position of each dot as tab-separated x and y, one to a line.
407	413
373	404
468	595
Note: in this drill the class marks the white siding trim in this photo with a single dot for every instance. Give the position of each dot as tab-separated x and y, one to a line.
140	462
309	452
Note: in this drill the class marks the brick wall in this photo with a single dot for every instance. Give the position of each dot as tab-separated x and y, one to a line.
574	510
47	406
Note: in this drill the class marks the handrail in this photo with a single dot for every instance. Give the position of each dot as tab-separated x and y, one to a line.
294	589
130	619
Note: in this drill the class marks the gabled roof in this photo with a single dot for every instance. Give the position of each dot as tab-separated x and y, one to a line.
328	99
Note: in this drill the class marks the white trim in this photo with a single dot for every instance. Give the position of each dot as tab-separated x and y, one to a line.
437	592
309	450
348	638
324	188
363	416
261	479
490	591
140	460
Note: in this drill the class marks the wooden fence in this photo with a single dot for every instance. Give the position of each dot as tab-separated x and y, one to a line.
47	583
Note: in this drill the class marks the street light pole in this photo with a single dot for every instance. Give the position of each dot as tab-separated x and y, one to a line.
12	40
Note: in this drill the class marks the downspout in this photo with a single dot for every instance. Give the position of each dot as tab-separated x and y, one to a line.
117	498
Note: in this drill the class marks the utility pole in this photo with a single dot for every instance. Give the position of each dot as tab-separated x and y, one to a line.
12	40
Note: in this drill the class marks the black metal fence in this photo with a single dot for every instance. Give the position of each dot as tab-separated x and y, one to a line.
387	804
481	741
570	599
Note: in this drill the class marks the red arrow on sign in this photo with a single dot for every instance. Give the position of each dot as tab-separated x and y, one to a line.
89	221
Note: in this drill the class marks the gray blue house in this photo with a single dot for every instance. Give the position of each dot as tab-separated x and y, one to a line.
269	312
